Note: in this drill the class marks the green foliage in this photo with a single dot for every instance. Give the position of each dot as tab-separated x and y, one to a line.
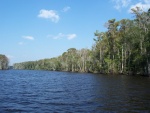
123	48
3	62
72	60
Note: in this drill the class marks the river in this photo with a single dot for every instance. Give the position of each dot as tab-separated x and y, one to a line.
29	91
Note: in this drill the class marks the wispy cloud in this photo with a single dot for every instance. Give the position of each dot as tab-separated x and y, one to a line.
28	37
147	1
119	4
61	35
65	9
10	56
49	14
130	4
71	36
144	5
20	43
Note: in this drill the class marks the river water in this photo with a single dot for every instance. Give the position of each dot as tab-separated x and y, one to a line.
26	91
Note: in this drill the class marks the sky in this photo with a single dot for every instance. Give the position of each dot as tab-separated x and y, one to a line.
36	29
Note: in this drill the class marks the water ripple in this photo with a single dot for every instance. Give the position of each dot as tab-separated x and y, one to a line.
45	92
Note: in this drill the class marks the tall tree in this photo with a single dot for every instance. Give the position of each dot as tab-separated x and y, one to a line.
3	62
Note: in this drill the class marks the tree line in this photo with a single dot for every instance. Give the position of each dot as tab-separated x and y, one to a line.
72	60
123	49
3	62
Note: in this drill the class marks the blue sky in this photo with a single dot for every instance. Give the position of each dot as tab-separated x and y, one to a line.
37	29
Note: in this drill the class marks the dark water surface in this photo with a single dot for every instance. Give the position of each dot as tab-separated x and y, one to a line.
24	91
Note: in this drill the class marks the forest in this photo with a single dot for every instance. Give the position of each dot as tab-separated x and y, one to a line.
3	62
123	49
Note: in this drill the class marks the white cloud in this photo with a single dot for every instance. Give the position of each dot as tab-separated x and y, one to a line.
65	9
119	4
49	14
61	35
71	36
144	6
28	37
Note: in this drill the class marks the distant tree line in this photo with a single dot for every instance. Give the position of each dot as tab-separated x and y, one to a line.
123	49
3	62
72	60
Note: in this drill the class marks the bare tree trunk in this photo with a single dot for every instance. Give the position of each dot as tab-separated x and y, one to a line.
122	64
